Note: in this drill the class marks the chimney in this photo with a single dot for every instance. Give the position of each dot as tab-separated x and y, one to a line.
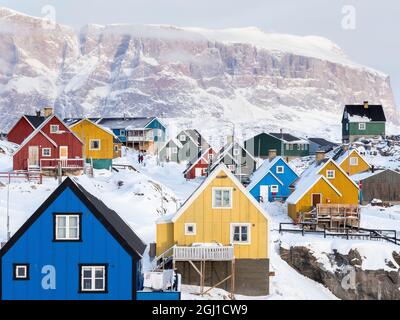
37	113
345	147
319	156
48	111
271	154
372	169
365	104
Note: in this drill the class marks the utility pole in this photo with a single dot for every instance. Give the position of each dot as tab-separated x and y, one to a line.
8	212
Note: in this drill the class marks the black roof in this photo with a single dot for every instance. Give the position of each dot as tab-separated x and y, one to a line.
322	142
109	218
374	112
285	136
35	121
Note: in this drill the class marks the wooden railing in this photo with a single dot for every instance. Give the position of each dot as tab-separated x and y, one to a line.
206	253
14	175
65	163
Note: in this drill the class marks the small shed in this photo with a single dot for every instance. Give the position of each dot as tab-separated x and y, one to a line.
383	185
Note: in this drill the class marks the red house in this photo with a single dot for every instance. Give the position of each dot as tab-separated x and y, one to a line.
198	167
24	127
51	144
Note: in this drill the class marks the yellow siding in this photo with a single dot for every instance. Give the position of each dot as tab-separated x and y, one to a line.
117	154
341	182
165	237
214	225
361	167
86	131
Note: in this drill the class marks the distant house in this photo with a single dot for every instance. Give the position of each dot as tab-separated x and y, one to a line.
286	145
72	248
272	180
199	165
99	143
381	185
363	121
187	145
320	144
237	159
351	161
27	124
324	182
222	223
50	145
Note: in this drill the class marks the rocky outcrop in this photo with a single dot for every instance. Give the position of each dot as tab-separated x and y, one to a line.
346	278
241	75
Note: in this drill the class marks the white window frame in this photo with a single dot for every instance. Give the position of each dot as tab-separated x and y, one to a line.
287	146
280	169
352	162
187	232
46	155
240	225
290	147
362	126
93	278
122	132
236	151
90	144
25	268
52	126
274	187
222	189
182	138
67	227
332	172
174	150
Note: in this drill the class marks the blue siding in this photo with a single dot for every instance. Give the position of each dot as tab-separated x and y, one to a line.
117	132
37	248
287	178
155	124
159	296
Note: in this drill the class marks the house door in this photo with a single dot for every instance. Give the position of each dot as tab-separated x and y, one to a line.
264	193
63	152
316	199
33	160
198	172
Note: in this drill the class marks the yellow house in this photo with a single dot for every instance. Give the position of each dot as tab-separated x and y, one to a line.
98	143
324	182
221	214
353	162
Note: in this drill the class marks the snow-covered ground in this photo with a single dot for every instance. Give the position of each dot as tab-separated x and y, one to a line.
142	197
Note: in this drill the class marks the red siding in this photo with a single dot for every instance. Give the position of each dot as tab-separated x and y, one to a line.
20	159
191	174
20	131
66	138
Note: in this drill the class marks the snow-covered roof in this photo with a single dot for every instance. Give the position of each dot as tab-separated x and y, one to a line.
262	171
364	113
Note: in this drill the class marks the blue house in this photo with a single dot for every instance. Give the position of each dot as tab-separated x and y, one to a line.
72	248
272	180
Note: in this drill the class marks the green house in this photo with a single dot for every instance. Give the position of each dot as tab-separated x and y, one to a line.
285	144
363	121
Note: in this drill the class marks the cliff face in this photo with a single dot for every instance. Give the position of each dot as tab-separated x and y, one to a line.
244	75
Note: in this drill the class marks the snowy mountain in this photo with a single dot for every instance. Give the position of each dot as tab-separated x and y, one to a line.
192	77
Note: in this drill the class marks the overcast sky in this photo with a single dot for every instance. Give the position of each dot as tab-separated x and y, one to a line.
374	41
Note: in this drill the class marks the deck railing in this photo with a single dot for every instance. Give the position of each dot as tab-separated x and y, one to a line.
65	163
206	253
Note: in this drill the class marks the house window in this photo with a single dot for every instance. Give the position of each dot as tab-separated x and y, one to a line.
287	146
222	198
116	148
21	271
93	278
46	152
274	189
306	147
354	161
362	126
236	152
330	174
290	147
347	126
182	138
67	227
174	150
54	128
190	229
122	132
280	169
94	144
232	167
240	233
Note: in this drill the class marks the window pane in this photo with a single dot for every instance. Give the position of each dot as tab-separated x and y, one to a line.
226	198
73	233
218	197
21	271
99	284
73	221
61	221
87	273
236	237
99	273
87	284
61	233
